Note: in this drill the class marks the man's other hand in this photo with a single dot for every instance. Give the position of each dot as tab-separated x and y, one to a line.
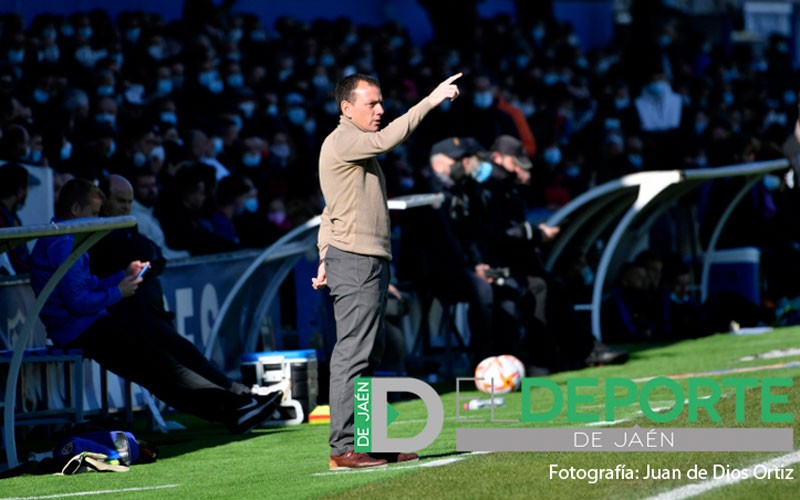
321	280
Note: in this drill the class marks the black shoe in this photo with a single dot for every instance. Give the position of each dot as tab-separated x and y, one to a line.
259	409
604	355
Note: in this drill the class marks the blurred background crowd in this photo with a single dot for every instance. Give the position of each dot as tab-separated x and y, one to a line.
216	119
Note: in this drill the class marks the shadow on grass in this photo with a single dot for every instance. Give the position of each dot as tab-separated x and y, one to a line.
198	434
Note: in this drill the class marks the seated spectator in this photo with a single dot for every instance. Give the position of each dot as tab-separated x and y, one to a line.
628	312
180	214
232	194
147	351
145	197
13	193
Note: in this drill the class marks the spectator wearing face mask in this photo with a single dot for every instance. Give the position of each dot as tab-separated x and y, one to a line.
660	111
482	118
180	212
232	195
658	106
260	226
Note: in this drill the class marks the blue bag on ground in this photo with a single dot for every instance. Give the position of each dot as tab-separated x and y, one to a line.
117	445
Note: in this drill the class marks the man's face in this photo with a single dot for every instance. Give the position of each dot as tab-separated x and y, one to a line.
22	196
367	107
508	162
90	210
119	202
196	198
146	190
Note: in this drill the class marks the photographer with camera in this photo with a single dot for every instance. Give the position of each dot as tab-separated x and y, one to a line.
553	338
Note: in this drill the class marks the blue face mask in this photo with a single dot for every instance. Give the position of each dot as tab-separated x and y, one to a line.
105	90
216	87
218	146
621	102
483	173
572	171
296	115
235	80
35	156
251	160
105	118
169	117
40	96
658	88
612	124
327	60
164	86
206	77
85	31
483	100
700	127
132	34
771	182
16	56
635	160
587	275
66	151
247	108
139	159
550	79
251	205
552	156
727	98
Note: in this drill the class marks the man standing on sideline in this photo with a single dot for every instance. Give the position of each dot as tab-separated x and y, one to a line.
354	244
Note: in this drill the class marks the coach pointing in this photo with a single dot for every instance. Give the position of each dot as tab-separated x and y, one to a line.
354	245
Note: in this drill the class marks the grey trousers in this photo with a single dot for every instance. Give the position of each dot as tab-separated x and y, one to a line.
358	286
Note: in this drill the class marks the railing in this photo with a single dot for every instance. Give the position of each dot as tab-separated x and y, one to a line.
631	205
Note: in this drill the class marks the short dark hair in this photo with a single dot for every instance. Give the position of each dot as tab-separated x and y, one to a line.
346	86
13	176
78	191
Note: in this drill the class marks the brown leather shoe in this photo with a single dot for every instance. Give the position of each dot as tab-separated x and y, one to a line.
355	460
396	458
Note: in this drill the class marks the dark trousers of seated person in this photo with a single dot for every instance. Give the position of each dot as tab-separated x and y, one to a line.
155	356
463	285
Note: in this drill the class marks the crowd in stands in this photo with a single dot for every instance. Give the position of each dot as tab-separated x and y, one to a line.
216	120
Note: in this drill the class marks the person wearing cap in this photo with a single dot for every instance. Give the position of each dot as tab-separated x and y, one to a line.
441	246
354	244
553	338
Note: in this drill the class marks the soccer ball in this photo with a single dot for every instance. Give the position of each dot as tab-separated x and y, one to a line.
505	372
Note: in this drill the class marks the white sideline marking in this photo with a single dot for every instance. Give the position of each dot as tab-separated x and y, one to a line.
691	490
98	492
414	465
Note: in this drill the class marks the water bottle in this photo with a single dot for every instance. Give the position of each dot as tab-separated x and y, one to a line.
480	404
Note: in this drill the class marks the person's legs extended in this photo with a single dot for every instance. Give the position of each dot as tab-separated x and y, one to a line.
154	359
358	287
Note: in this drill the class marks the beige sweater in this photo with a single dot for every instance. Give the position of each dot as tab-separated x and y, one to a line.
355	218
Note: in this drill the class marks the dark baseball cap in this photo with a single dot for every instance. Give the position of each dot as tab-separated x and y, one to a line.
458	147
508	145
453	147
